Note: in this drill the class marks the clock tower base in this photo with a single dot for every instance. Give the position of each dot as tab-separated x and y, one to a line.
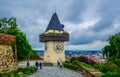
52	54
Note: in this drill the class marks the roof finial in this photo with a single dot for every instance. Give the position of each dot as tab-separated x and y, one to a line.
55	9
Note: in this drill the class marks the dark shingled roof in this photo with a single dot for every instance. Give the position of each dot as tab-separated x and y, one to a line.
54	23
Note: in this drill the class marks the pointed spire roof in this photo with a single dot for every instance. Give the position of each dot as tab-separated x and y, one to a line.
54	23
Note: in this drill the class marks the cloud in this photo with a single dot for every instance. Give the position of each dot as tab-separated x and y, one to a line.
95	24
86	21
94	45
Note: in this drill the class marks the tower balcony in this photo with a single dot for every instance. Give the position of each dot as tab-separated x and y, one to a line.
54	37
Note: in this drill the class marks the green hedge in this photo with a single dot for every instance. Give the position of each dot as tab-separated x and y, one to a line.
73	59
85	64
20	72
71	66
111	67
117	61
98	66
111	74
11	74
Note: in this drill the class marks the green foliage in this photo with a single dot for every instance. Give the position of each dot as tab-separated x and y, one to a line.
23	47
19	73
24	50
32	55
5	75
98	66
29	70
106	51
113	50
10	74
67	61
115	44
20	69
117	61
111	74
111	67
71	66
73	59
13	46
85	64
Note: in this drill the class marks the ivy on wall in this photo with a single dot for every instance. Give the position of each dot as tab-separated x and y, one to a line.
9	26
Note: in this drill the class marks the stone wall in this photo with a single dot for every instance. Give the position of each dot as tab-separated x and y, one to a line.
8	57
89	72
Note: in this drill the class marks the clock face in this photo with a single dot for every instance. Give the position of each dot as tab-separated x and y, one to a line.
58	47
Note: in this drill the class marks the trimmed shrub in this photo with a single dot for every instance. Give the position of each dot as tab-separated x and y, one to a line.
71	66
32	69
27	71
73	59
67	61
74	62
5	75
85	64
12	74
110	66
117	61
111	74
20	72
20	69
98	66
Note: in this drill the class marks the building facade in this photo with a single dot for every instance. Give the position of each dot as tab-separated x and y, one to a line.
54	38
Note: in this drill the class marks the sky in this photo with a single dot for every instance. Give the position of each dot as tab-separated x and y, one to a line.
89	22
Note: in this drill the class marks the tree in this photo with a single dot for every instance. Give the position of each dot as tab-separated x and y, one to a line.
106	51
9	26
114	48
114	41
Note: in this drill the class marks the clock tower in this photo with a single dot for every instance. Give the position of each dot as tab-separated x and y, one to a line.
54	38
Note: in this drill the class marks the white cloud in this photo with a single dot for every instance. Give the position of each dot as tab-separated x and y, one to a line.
33	30
91	11
78	16
71	27
94	45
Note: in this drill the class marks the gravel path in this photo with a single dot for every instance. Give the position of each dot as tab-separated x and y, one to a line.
55	72
51	71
